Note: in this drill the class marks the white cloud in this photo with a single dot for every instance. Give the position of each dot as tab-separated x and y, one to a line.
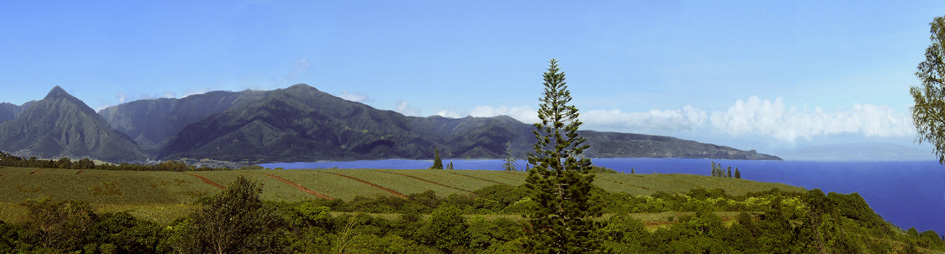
194	92
301	66
448	113
355	97
686	118
522	113
757	117
772	118
403	106
121	97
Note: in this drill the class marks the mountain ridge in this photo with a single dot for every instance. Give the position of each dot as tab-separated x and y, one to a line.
325	127
297	123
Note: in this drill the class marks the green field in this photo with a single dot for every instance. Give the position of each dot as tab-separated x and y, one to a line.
164	196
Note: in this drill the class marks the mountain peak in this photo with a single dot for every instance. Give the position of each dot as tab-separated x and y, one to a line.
57	92
301	86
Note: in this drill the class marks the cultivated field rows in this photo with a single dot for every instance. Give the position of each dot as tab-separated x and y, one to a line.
162	195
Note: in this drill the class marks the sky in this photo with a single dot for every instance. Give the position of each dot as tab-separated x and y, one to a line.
807	80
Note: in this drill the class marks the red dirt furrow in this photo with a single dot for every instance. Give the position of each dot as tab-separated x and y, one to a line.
208	181
393	192
80	172
473	177
300	187
36	171
425	180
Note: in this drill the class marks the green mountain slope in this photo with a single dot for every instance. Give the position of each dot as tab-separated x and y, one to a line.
9	111
299	123
62	126
151	123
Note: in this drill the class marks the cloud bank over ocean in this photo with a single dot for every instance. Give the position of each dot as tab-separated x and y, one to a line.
752	117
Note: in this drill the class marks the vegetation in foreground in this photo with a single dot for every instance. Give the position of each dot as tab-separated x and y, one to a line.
701	221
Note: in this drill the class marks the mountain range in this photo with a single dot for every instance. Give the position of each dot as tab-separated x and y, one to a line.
298	123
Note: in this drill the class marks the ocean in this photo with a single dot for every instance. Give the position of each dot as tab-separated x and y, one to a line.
906	193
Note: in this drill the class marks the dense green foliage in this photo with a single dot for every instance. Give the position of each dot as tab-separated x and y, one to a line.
763	222
66	226
233	221
8	160
561	180
928	114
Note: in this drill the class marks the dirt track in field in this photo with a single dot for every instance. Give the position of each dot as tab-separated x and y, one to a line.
208	181
425	180
300	187
392	192
473	177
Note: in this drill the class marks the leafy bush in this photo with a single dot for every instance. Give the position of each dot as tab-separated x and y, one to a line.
233	221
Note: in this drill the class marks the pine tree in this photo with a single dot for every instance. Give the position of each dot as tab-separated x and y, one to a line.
561	179
450	166
738	175
437	162
715	169
632	172
729	172
509	161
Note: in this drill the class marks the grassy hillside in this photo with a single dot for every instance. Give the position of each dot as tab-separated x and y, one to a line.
163	196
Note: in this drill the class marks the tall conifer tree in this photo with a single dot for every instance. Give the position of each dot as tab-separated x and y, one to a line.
437	162
509	164
561	178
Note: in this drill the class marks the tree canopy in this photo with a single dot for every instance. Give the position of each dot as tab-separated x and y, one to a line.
929	110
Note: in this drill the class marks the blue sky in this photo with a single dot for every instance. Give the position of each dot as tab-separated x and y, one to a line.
783	77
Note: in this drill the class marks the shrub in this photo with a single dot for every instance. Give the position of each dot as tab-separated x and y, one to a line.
233	221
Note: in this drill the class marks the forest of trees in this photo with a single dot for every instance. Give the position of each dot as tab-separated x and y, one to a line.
719	172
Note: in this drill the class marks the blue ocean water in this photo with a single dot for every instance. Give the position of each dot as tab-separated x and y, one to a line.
906	193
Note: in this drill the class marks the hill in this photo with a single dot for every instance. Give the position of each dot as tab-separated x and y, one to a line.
301	123
60	125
